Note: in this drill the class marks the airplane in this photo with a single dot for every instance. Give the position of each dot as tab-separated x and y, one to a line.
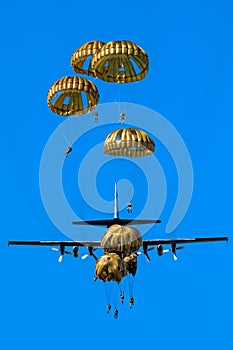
147	245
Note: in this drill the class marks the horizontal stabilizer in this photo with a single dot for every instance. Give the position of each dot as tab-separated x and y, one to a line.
110	222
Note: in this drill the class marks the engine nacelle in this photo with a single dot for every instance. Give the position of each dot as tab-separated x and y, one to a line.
75	252
160	250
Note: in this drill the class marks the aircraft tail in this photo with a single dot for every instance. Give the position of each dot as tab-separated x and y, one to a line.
116	219
116	209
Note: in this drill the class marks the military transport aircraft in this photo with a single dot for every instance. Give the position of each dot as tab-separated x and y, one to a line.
147	245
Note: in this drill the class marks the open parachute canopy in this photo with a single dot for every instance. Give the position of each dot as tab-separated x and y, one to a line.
72	96
128	142
110	267
122	240
119	243
131	263
119	61
82	57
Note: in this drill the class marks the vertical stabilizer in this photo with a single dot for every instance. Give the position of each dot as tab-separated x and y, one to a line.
116	213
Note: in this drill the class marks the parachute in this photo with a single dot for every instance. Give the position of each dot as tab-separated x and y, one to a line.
81	55
122	240
128	142
110	267
120	62
72	96
131	263
116	61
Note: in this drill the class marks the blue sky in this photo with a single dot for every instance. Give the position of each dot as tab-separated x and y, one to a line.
187	304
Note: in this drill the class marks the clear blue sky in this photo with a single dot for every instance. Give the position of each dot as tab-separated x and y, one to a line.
187	304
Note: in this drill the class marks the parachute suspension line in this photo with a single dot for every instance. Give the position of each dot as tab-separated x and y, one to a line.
131	284
122	286
121	112
72	134
108	293
67	139
115	296
116	299
122	241
119	87
126	93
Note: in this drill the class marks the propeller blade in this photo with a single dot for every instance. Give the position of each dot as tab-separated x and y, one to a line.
167	250
84	256
60	258
175	257
66	252
182	247
53	248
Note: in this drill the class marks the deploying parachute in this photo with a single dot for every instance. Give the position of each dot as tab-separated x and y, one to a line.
119	243
122	240
131	263
128	142
72	96
110	267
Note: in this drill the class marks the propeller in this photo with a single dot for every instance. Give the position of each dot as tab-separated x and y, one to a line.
60	258
138	253
85	256
90	253
160	249
63	251
174	249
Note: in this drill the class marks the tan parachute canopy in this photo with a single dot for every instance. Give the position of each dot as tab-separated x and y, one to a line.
120	62
128	142
110	267
80	56
121	239
72	96
131	263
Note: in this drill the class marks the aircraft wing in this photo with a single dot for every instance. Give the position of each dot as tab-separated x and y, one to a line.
159	243
146	243
93	244
156	242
